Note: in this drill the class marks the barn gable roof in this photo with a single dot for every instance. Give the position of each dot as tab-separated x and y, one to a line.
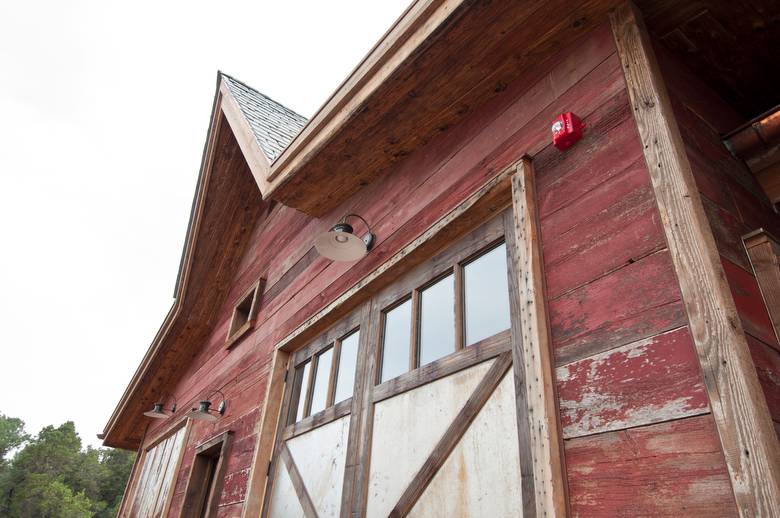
247	130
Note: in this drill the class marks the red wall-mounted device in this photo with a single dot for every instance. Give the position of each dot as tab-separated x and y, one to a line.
567	129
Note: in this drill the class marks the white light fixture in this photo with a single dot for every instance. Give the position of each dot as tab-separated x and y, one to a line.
341	244
204	412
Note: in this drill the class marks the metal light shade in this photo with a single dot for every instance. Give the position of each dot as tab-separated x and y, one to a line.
341	243
158	412
203	412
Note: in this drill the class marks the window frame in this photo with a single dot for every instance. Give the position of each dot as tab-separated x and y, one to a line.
450	261
197	490
331	339
237	330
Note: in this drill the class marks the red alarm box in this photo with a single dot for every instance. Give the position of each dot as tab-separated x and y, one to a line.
567	129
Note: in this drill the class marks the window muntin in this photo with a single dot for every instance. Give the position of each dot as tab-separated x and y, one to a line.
437	320
345	367
486	295
466	302
395	340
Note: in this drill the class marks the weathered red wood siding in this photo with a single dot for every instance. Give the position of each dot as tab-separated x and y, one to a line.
639	440
735	205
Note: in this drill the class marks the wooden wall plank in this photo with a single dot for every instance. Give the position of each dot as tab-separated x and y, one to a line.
591	319
532	352
653	380
741	415
666	470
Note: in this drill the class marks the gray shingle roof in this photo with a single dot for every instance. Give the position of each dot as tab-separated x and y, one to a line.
274	125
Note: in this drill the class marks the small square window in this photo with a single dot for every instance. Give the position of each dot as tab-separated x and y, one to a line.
244	314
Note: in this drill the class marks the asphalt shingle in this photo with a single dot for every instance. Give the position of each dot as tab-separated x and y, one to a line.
273	124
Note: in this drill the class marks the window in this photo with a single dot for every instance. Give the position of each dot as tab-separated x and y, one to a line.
205	483
457	300
244	314
325	372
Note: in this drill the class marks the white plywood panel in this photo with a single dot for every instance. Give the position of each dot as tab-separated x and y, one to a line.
284	500
481	477
320	456
406	429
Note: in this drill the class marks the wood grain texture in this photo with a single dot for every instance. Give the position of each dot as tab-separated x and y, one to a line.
763	252
749	303
667	470
649	381
453	434
741	415
532	352
270	419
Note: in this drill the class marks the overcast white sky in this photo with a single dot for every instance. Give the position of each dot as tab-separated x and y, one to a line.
104	108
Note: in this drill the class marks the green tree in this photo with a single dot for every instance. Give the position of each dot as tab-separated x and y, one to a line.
12	435
41	496
52	477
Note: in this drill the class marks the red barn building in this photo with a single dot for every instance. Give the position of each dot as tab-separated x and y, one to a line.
533	331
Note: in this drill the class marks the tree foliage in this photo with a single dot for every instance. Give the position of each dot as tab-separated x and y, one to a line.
51	476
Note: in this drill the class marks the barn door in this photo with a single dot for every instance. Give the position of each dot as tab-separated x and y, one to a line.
444	437
309	462
432	429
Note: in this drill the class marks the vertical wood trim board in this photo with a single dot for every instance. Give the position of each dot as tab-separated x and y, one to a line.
762	250
533	352
738	405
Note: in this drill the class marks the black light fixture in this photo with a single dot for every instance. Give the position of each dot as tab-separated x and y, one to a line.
158	411
341	244
204	411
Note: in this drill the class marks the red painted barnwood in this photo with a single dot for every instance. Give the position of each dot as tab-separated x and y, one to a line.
649	381
637	301
445	160
712	183
728	231
611	226
670	469
563	177
750	304
234	487
767	361
688	89
452	188
754	210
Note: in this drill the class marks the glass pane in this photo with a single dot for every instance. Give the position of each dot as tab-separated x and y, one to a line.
319	396
345	381
303	372
486	295
395	348
437	320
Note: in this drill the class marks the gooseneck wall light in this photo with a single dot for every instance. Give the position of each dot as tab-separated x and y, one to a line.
158	411
204	411
341	244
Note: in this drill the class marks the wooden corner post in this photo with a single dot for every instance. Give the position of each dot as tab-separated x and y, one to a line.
532	352
739	408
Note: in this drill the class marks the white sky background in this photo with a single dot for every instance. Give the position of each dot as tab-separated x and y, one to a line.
104	108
